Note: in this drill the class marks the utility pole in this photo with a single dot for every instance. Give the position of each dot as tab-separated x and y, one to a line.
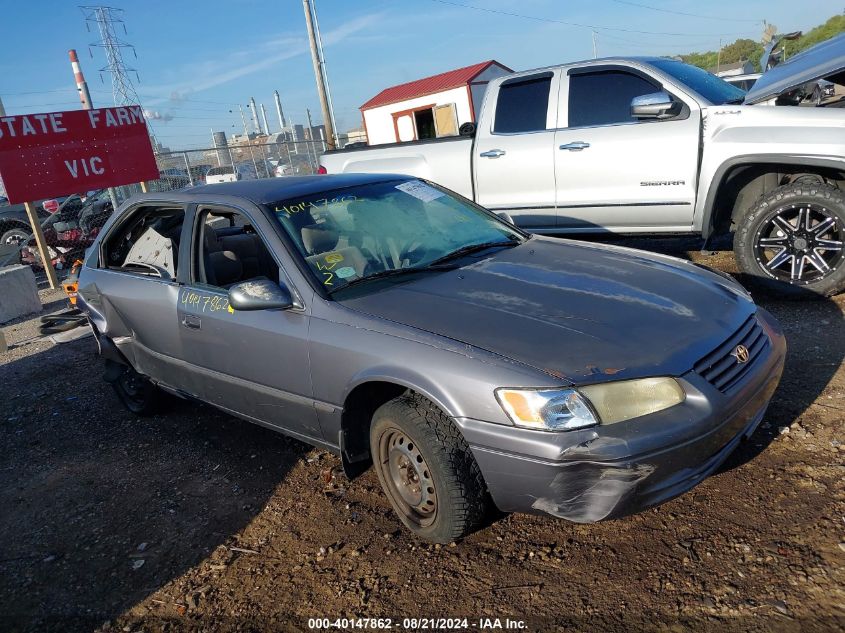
719	58
322	88
324	72
595	46
2	108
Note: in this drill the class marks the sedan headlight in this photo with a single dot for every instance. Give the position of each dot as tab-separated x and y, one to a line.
607	403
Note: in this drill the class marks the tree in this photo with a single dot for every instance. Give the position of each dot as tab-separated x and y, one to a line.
749	50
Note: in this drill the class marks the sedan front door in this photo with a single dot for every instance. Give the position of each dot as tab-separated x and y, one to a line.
253	363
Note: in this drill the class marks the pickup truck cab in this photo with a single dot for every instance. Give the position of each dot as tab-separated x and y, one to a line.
648	146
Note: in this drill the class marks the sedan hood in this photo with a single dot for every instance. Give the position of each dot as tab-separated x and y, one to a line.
818	62
577	311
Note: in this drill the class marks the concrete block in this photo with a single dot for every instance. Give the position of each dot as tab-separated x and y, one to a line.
18	292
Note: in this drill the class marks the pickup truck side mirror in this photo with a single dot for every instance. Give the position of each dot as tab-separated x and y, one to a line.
260	294
467	129
657	105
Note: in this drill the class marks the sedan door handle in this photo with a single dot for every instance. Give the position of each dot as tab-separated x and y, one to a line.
493	153
577	146
191	321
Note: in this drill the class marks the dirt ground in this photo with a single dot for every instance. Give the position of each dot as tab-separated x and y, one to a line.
195	520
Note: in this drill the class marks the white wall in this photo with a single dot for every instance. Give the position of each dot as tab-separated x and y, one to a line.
380	120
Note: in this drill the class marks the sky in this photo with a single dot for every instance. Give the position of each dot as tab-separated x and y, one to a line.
198	59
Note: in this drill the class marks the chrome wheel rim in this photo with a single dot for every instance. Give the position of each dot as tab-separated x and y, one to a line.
800	244
407	478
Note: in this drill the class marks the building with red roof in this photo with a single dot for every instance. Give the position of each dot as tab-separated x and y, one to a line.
430	107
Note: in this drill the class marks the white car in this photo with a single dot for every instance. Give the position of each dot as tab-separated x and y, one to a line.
283	169
224	173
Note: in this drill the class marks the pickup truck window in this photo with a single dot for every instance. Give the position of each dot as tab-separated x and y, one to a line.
604	98
717	91
522	104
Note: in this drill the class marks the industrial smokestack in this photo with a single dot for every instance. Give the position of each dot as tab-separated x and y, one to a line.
264	119
255	115
281	114
81	84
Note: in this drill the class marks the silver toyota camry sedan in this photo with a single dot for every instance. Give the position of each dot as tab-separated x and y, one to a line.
401	326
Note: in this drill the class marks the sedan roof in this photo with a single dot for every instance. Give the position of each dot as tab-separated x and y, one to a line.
265	190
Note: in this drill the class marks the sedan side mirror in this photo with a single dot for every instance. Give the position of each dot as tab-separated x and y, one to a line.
260	294
658	105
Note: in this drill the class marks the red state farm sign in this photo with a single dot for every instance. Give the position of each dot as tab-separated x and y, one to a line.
60	153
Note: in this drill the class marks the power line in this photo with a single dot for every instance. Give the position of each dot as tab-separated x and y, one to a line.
689	15
576	24
105	19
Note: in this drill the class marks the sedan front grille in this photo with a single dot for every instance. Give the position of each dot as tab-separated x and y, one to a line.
722	367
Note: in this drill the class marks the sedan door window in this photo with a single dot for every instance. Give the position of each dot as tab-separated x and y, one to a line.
228	250
148	243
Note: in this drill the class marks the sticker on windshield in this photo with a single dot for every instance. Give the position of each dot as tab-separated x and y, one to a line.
420	190
333	258
345	272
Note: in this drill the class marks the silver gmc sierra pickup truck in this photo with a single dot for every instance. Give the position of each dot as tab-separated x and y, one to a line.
656	146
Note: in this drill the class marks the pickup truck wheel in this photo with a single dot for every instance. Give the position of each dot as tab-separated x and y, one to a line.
137	393
427	470
793	240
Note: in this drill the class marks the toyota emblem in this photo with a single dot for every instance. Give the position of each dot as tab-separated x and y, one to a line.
741	354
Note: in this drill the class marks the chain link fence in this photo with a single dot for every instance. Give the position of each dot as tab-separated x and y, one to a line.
71	224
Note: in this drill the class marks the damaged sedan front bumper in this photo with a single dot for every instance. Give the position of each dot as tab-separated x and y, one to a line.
611	471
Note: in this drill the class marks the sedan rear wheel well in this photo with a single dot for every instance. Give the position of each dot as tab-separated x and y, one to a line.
358	410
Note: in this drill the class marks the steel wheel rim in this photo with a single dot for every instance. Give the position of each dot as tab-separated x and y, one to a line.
800	244
407	478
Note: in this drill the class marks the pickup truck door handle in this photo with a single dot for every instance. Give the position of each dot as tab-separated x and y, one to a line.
577	146
493	153
191	321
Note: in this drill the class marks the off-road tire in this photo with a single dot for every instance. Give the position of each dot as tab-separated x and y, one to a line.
769	205
144	399
463	502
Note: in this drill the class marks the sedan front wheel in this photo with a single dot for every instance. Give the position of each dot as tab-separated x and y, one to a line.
427	470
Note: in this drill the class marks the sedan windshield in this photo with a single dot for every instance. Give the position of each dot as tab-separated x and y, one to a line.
717	91
387	229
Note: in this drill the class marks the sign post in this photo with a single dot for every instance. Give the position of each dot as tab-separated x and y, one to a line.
41	241
60	153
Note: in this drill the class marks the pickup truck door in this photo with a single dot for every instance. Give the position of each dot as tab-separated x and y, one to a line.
616	172
514	155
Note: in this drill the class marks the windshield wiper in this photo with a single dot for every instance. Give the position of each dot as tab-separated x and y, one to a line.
739	101
473	248
393	272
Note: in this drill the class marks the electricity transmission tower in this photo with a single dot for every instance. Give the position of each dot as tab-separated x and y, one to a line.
106	19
